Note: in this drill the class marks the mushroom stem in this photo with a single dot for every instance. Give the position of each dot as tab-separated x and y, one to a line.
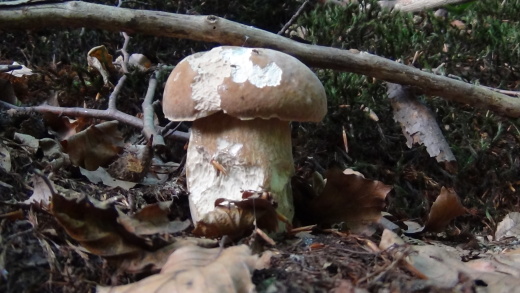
227	155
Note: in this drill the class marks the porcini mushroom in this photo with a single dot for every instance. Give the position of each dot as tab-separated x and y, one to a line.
241	101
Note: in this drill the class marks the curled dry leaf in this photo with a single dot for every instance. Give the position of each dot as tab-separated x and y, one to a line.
95	146
446	207
100	60
140	61
236	219
195	269
95	226
347	198
103	231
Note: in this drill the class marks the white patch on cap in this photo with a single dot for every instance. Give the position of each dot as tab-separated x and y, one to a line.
243	69
211	71
214	66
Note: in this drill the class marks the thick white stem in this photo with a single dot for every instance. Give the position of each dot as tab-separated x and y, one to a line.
256	155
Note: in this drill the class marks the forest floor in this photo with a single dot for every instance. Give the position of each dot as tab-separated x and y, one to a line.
94	231
38	256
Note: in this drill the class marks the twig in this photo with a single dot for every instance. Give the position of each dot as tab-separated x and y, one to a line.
293	18
112	99
107	114
505	92
381	271
123	50
172	131
148	114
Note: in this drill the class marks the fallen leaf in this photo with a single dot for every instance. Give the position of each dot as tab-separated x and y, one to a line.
140	61
101	230
195	269
442	265
152	219
347	198
30	143
446	207
41	192
96	146
95	226
509	226
237	219
100	60
101	175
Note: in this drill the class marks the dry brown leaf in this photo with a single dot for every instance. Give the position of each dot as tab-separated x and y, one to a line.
101	175
347	198
446	207
195	269
99	59
236	219
28	142
96	227
62	126
442	265
104	231
96	146
152	219
41	192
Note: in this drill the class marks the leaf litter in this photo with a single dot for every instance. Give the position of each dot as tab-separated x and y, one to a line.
117	226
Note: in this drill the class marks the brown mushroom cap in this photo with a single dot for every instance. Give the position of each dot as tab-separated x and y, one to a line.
245	83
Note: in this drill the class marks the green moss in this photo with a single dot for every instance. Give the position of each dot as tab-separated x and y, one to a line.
486	51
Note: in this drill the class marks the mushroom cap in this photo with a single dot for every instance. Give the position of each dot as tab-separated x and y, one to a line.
245	83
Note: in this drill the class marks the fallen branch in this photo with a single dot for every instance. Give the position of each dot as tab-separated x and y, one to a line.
108	114
219	30
418	5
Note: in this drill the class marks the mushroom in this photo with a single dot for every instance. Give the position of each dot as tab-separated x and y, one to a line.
241	102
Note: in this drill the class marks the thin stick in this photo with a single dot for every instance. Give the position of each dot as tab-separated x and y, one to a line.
293	18
149	129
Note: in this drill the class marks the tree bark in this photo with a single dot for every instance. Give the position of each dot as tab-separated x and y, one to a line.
216	29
